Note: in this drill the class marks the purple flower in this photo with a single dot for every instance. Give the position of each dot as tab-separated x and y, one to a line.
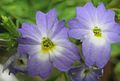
17	63
47	45
84	73
97	29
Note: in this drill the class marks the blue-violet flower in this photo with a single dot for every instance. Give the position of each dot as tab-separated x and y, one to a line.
47	45
97	29
84	73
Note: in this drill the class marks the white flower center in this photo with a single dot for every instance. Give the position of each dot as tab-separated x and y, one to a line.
97	36
85	72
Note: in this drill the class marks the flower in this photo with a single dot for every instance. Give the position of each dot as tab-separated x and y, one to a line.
16	63
97	29
84	73
47	45
4	76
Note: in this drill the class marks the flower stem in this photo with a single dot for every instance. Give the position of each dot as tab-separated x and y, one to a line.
66	77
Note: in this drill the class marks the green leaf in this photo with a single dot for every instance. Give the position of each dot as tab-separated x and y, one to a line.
115	50
7	41
117	69
68	13
117	11
4	39
106	2
96	2
54	75
8	24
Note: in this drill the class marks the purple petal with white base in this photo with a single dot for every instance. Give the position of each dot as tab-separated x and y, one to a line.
47	45
39	66
97	29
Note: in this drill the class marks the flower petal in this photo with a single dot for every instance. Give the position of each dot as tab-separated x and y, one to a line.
91	77
74	23
51	18
57	28
103	52
79	73
87	52
62	63
62	34
41	22
28	49
101	8
75	74
28	41
108	20
29	31
63	58
86	15
36	66
70	49
78	33
93	54
83	17
46	22
113	37
109	17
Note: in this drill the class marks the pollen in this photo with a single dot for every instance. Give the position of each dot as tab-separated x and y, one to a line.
47	45
97	32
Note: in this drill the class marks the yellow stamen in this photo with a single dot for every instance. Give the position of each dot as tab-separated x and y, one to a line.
97	32
47	45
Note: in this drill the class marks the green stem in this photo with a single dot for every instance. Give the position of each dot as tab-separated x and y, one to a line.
66	77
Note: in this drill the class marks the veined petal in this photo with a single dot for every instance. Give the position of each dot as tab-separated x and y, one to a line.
41	22
113	37
57	27
28	41
103	52
78	33
87	52
63	57
29	31
83	17
36	66
28	49
87	15
113	27
63	34
108	20
75	24
90	13
109	16
93	53
46	21
70	48
51	18
61	62
101	10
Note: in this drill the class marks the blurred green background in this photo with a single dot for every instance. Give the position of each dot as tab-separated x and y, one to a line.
20	11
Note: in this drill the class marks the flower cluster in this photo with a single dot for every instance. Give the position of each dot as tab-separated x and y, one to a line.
46	44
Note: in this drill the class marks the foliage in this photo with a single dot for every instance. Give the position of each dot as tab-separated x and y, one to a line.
18	11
